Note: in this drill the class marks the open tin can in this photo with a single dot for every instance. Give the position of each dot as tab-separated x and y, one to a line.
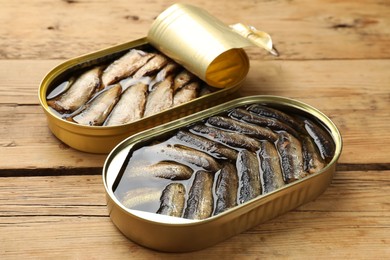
181	234
190	37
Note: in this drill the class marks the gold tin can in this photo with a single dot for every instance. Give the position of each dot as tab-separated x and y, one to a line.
170	234
102	139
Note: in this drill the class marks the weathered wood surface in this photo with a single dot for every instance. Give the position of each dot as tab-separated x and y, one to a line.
300	29
334	56
53	217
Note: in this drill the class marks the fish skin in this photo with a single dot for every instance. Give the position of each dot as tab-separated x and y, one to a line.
140	196
152	66
200	201
271	169
186	93
291	157
312	160
214	148
164	169
182	79
160	98
242	128
185	154
205	90
130	107
322	139
78	93
96	110
128	82
236	140
272	123
168	70
172	200
125	66
249	172
226	188
277	114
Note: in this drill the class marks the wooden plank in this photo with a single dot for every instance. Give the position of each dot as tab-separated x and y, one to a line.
284	237
301	30
334	56
52	196
345	213
349	92
20	80
24	134
350	191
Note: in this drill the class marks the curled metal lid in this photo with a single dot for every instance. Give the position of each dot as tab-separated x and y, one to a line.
206	46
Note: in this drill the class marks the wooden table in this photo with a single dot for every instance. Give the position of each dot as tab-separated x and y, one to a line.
335	56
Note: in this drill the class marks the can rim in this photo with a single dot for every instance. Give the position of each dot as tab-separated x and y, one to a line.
249	205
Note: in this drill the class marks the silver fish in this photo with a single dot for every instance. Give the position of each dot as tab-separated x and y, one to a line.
172	200
264	121
200	201
186	93
183	154
182	79
152	66
96	111
160	98
125	66
312	160
130	81
214	148
243	128
290	152
277	114
232	139
270	165
130	106
168	70
226	188
78	93
164	169
322	139
140	196
249	172
205	90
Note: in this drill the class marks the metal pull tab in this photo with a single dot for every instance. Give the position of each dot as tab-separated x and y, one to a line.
256	37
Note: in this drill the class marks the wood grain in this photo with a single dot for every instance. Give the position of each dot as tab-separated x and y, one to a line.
65	29
52	196
59	218
334	56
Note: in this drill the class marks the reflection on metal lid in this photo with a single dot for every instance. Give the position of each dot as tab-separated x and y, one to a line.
204	45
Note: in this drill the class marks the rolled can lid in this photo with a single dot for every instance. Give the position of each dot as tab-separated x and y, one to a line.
204	45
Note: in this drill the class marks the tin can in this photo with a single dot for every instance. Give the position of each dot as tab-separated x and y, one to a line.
213	65
205	45
102	139
176	234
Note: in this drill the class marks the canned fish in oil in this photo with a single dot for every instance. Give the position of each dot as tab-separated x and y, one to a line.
194	182
94	101
86	136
